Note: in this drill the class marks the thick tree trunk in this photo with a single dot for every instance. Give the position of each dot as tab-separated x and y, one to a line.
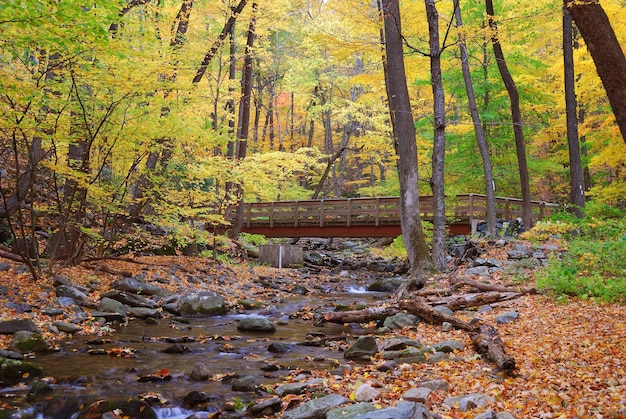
516	117
577	193
607	54
439	253
405	139
481	140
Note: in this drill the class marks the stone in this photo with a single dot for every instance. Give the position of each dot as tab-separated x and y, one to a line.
138	286
489	262
435	385
273	403
205	303
448	346
504	415
437	357
446	327
403	355
279	347
364	347
444	310
256	324
245	383
467	402
24	342
400	321
9	327
130	300
396	344
507	317
386	285
71	292
419	394
477	271
315	408
66	327
297	388
108	316
195	398
386	366
403	410
350	411
366	393
200	372
144	312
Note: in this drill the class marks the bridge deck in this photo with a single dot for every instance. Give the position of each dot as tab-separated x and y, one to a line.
370	217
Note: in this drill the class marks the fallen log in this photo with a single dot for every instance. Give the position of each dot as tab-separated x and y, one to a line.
487	342
420	308
483	286
458	302
359	316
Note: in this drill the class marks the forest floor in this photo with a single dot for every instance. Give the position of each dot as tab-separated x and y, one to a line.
570	356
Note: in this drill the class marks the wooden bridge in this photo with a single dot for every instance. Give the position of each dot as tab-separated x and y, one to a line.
372	217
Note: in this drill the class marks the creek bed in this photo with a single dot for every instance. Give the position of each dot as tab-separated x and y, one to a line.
82	378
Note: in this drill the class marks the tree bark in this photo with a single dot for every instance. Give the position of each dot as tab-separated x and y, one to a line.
516	117
487	341
405	142
481	140
596	30
439	141
577	190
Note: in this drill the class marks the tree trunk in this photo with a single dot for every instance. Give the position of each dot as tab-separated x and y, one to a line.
439	143
577	193
405	142
516	117
596	30
243	125
483	147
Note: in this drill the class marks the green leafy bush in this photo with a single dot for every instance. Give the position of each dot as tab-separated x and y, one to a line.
594	266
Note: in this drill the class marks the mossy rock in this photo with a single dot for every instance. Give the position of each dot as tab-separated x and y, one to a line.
24	342
13	371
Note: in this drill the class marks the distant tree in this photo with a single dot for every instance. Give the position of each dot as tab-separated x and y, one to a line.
516	116
577	194
479	132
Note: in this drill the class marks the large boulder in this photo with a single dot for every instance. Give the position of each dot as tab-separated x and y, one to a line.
203	303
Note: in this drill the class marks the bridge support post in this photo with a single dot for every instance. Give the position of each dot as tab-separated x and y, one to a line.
281	256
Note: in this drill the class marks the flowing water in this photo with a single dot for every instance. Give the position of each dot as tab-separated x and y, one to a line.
82	378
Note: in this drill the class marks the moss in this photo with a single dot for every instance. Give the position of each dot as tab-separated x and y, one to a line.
13	371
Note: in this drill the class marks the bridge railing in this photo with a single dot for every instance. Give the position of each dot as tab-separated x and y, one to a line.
381	211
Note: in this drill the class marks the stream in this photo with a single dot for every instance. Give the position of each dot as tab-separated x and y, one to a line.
81	377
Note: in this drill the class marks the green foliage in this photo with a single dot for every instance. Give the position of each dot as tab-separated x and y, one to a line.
252	240
594	266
